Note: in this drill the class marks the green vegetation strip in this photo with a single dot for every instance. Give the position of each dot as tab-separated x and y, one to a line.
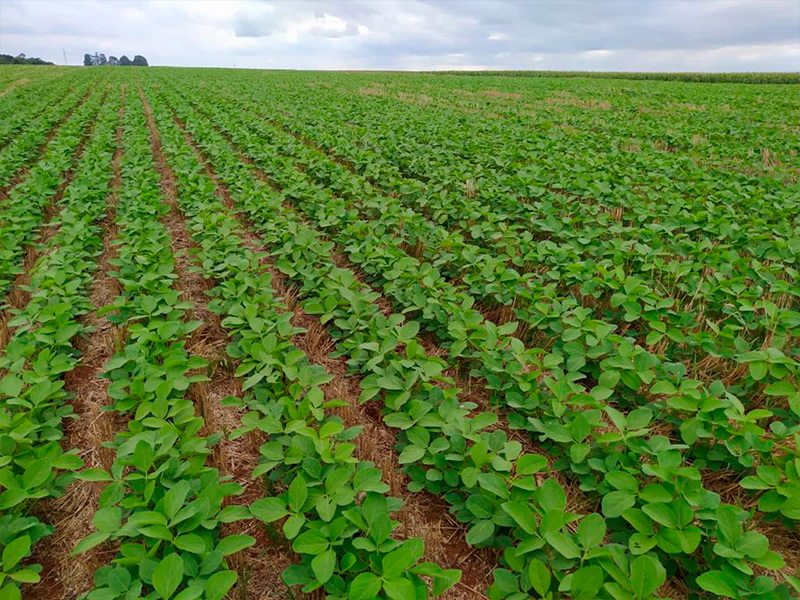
651	317
161	503
770	78
25	148
337	517
22	214
612	264
33	403
23	110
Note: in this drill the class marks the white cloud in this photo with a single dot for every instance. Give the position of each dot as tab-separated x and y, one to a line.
597	53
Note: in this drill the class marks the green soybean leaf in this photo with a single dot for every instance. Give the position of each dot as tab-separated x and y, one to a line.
108	520
175	497
191	543
94	475
269	509
397	561
780	388
310	542
411	454
615	503
168	576
551	496
645	577
758	370
622	481
718	583
586	582
298	492
523	516
444	580
190	593
661	513
11	386
563	544
10	592
36	473
89	542
591	531
15	552
323	565
530	463
234	543
292	526
480	532
25	576
399	589
365	586
219	584
233	513
539	576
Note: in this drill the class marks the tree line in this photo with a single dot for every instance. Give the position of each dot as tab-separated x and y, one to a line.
100	60
21	59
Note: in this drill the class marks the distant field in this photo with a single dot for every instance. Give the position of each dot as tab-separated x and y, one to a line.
696	77
277	334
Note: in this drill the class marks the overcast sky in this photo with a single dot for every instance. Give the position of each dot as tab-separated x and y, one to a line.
655	35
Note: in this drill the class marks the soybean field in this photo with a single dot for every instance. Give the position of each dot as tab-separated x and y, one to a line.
347	335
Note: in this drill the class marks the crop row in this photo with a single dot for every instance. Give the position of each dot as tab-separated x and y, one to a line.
24	108
724	330
33	465
420	402
162	504
443	147
619	306
671	76
715	127
337	517
176	538
412	285
560	237
22	214
660	446
509	226
778	322
705	213
24	149
767	320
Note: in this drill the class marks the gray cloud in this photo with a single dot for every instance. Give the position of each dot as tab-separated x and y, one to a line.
701	35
